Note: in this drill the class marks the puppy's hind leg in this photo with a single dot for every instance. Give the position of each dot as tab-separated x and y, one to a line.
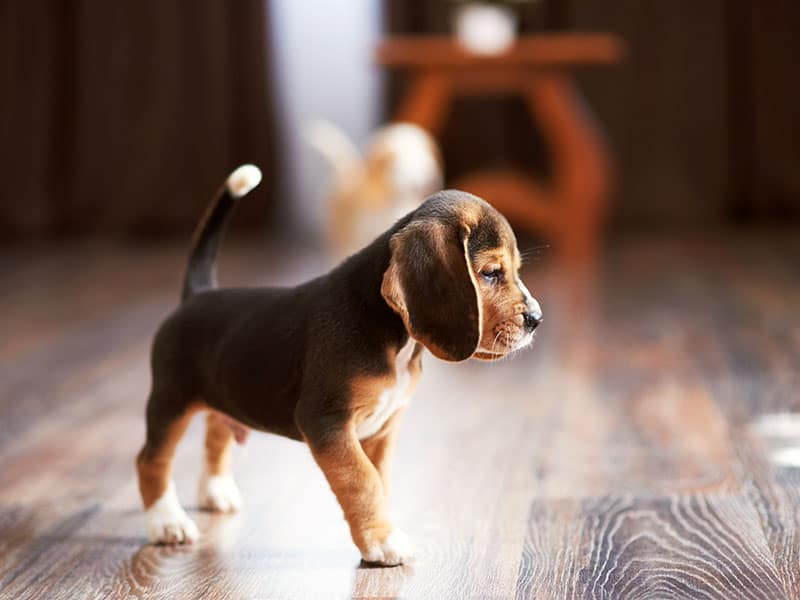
217	490
165	519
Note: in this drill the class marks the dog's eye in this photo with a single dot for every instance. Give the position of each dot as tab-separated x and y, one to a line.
493	274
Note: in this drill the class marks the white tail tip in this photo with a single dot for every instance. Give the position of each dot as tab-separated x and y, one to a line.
243	179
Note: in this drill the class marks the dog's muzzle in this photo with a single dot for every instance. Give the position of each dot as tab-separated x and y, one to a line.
532	320
533	313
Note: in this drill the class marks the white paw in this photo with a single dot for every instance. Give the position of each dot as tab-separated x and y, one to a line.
396	550
168	523
219	493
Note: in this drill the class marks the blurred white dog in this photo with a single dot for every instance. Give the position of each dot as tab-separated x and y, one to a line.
400	168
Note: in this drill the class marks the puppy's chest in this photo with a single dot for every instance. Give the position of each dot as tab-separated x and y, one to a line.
385	400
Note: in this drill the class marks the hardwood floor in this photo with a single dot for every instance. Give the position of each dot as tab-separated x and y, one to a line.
648	446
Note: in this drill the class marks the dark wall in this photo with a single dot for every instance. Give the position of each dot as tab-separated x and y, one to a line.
775	47
704	113
702	117
665	108
126	116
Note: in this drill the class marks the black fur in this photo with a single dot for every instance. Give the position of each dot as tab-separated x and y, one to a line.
201	272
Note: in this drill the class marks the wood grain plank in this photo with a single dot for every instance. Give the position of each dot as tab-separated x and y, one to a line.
647	547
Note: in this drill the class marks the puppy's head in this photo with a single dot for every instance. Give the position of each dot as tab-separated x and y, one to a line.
453	279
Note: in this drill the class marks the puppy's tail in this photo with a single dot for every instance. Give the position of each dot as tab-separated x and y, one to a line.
201	270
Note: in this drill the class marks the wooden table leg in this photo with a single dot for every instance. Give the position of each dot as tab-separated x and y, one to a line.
581	170
571	209
427	101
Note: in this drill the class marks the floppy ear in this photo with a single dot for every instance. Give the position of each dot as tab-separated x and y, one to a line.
430	284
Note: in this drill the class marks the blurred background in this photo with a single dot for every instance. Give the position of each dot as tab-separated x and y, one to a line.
120	119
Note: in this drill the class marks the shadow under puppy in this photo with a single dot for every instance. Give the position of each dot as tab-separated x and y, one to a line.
331	362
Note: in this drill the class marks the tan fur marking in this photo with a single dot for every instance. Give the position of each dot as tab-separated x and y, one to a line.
154	465
366	392
380	449
502	304
219	439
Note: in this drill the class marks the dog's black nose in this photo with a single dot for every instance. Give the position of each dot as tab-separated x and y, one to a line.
532	320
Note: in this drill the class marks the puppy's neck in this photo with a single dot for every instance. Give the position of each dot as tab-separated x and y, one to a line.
362	275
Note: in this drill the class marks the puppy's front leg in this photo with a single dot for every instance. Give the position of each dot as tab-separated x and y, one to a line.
380	450
357	485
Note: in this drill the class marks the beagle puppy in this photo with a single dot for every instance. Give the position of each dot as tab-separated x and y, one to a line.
331	362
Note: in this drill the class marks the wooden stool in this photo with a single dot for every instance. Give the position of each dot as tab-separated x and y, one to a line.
570	209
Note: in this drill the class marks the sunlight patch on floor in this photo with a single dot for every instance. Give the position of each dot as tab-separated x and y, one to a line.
781	434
